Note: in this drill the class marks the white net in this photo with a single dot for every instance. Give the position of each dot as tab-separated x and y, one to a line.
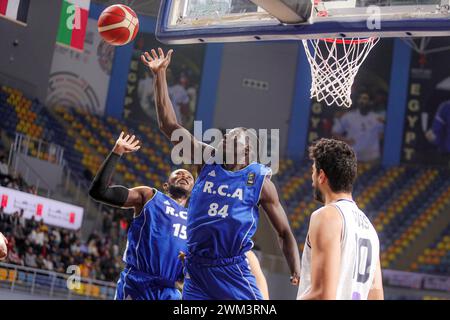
334	65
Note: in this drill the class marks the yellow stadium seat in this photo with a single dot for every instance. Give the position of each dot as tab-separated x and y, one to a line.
95	291
3	274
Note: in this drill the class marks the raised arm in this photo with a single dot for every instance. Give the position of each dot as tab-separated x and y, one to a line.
325	239
117	195
167	120
272	206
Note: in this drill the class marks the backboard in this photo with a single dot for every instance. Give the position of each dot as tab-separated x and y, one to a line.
198	21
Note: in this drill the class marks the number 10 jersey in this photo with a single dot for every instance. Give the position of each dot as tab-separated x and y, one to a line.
360	252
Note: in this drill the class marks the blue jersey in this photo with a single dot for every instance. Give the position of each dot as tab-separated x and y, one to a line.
156	237
223	210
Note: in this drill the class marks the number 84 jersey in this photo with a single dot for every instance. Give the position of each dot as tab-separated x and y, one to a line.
360	252
223	210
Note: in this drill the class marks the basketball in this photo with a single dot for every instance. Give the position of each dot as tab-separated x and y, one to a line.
118	25
3	248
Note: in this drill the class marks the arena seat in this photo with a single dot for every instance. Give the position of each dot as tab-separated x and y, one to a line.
436	258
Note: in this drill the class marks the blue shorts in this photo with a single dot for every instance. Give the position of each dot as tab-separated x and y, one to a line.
135	285
223	279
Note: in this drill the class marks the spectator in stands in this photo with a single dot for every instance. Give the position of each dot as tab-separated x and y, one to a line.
93	236
15	219
19	233
178	95
84	249
42	226
65	242
362	129
30	258
37	245
31	224
3	218
56	237
22	220
439	134
75	246
48	263
13	257
17	182
58	265
92	248
32	236
115	250
40	237
32	190
40	261
4	170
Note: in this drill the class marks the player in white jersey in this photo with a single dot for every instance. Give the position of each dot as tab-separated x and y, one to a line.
341	254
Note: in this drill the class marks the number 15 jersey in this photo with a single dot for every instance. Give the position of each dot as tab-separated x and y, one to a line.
360	252
223	210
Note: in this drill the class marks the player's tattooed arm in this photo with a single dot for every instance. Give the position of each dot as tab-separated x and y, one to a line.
117	195
324	233
167	120
271	204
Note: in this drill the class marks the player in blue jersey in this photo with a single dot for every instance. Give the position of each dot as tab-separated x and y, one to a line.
224	207
157	233
439	134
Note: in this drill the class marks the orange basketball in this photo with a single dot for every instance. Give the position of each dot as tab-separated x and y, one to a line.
118	24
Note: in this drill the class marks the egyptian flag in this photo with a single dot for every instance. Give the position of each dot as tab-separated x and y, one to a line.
16	10
73	23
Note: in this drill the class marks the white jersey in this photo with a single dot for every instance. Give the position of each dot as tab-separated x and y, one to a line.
360	251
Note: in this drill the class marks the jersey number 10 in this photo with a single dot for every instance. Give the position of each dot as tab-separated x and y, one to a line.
360	244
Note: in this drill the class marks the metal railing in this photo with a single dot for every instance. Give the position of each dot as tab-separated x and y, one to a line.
73	188
42	283
22	143
41	184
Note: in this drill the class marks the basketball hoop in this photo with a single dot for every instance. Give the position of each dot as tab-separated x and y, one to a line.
334	65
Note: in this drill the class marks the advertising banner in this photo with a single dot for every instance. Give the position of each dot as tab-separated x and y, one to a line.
55	213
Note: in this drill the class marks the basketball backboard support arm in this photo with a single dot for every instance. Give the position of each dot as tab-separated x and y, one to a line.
288	11
199	21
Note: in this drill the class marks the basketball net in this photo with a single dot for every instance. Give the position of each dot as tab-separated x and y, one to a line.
334	65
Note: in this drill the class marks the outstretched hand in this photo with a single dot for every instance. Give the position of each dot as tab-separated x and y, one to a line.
126	145
157	63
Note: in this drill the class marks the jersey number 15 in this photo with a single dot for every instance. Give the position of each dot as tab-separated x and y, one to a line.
180	231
